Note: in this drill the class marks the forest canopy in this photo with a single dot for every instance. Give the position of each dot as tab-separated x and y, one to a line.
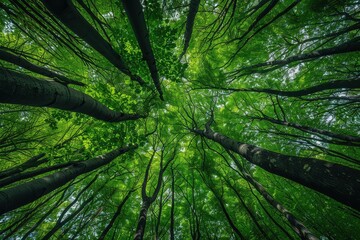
179	119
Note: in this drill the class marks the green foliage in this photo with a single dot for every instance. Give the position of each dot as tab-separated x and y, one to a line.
198	85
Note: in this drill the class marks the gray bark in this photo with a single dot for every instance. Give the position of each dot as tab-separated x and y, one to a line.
18	88
66	12
9	57
339	182
23	194
135	14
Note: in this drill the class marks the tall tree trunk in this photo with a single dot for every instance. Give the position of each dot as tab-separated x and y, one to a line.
23	194
194	7
350	46
135	14
248	210
140	228
349	140
30	163
172	211
301	230
66	12
18	88
25	175
115	216
223	208
347	84
334	180
148	200
9	57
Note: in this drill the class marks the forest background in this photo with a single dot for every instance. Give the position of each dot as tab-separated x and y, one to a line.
179	119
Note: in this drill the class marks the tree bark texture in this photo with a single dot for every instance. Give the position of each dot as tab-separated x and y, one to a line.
193	9
115	216
136	17
66	12
349	140
301	230
346	84
9	57
334	180
23	194
140	229
18	88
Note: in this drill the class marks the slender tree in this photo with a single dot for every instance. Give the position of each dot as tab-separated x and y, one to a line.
30	163
23	194
115	216
299	228
18	60
148	200
190	20
337	84
67	13
18	88
334	180
136	17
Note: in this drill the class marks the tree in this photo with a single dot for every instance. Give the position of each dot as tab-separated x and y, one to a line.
255	134
18	88
28	192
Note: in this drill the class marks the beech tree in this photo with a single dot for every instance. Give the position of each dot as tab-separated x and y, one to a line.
179	119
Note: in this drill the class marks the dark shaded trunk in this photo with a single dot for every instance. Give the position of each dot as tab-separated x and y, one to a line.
66	12
350	46
26	175
18	88
172	210
135	14
250	212
32	162
227	215
115	216
9	57
148	200
334	180
194	7
271	5
279	15
23	194
158	219
301	230
346	84
69	217
140	228
349	140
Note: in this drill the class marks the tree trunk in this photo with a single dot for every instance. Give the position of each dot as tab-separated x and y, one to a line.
194	7
140	229
25	175
9	57
18	88
226	213
32	162
115	216
350	46
334	180
66	12
349	140
347	84
28	192
172	211
135	14
301	230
